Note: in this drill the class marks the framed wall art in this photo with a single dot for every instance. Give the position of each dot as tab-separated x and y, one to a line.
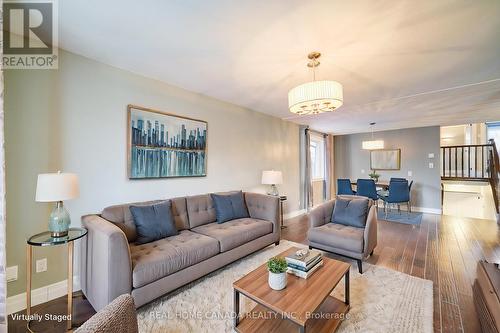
385	159
164	145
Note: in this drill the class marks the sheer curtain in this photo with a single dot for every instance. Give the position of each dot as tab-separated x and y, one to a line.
316	167
305	188
329	167
308	172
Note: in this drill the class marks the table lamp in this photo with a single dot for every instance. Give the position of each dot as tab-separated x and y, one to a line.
272	178
57	187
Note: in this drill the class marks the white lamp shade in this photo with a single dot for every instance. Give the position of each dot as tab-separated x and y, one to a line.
373	144
52	187
272	177
315	97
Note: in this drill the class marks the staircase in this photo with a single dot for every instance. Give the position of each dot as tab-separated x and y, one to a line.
473	163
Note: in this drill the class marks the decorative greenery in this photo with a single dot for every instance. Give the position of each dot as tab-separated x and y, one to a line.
277	265
374	174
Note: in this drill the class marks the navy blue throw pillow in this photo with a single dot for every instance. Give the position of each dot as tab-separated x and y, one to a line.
350	211
229	206
153	222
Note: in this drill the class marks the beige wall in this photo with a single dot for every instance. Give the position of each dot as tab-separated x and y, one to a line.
74	119
468	134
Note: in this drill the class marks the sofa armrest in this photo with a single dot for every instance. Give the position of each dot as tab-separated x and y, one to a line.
264	207
106	266
321	214
119	316
370	233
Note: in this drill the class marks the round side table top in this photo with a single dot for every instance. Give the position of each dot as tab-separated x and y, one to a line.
45	238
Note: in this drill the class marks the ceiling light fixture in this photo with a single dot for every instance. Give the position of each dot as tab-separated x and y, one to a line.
316	96
373	144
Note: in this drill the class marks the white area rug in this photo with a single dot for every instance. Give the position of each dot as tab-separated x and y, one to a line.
382	300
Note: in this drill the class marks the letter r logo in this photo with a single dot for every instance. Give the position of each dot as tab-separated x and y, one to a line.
27	27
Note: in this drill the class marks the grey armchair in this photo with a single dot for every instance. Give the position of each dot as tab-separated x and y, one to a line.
348	241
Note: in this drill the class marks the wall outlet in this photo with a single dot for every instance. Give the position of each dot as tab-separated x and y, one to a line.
431	165
11	273
431	155
410	173
41	265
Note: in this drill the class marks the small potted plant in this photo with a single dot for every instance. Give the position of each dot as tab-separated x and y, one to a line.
374	175
277	273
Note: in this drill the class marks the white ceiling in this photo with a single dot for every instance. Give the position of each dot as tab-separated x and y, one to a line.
402	63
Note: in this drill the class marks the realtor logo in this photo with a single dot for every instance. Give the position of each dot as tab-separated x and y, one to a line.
30	34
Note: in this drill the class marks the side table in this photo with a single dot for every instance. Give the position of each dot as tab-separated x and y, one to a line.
45	239
282	200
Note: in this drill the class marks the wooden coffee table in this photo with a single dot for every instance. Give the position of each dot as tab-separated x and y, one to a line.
304	305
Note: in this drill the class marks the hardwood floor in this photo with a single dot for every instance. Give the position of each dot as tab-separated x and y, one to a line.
82	311
443	249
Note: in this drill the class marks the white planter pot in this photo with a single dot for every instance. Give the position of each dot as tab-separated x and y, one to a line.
277	281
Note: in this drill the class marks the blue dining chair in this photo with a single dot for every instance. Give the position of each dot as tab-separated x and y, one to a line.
395	179
409	188
409	191
344	187
399	192
367	188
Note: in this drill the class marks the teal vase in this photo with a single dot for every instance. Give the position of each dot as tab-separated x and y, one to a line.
59	221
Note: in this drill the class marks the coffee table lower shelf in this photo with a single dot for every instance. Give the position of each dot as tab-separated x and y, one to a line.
326	319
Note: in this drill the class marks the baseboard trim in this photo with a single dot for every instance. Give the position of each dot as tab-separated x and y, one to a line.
293	214
41	295
427	210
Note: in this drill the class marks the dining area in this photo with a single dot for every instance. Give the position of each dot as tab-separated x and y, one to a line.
394	193
403	178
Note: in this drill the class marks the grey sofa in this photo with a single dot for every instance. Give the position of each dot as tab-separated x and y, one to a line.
348	241
112	264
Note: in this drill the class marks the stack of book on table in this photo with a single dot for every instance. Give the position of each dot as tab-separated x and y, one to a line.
304	266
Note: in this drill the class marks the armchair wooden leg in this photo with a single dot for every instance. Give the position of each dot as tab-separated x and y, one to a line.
277	243
310	247
360	266
409	207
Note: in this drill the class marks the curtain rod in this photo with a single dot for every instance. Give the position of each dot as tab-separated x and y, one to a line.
317	132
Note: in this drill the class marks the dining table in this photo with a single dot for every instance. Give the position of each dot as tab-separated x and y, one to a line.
381	184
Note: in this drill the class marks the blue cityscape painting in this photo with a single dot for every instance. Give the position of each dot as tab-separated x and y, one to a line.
162	145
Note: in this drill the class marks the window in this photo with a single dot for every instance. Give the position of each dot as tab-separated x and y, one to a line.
317	157
493	132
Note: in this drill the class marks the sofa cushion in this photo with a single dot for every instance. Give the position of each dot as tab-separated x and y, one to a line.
153	222
155	260
229	206
234	233
120	215
350	211
339	236
200	210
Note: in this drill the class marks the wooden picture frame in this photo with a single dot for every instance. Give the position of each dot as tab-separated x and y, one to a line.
165	145
385	159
